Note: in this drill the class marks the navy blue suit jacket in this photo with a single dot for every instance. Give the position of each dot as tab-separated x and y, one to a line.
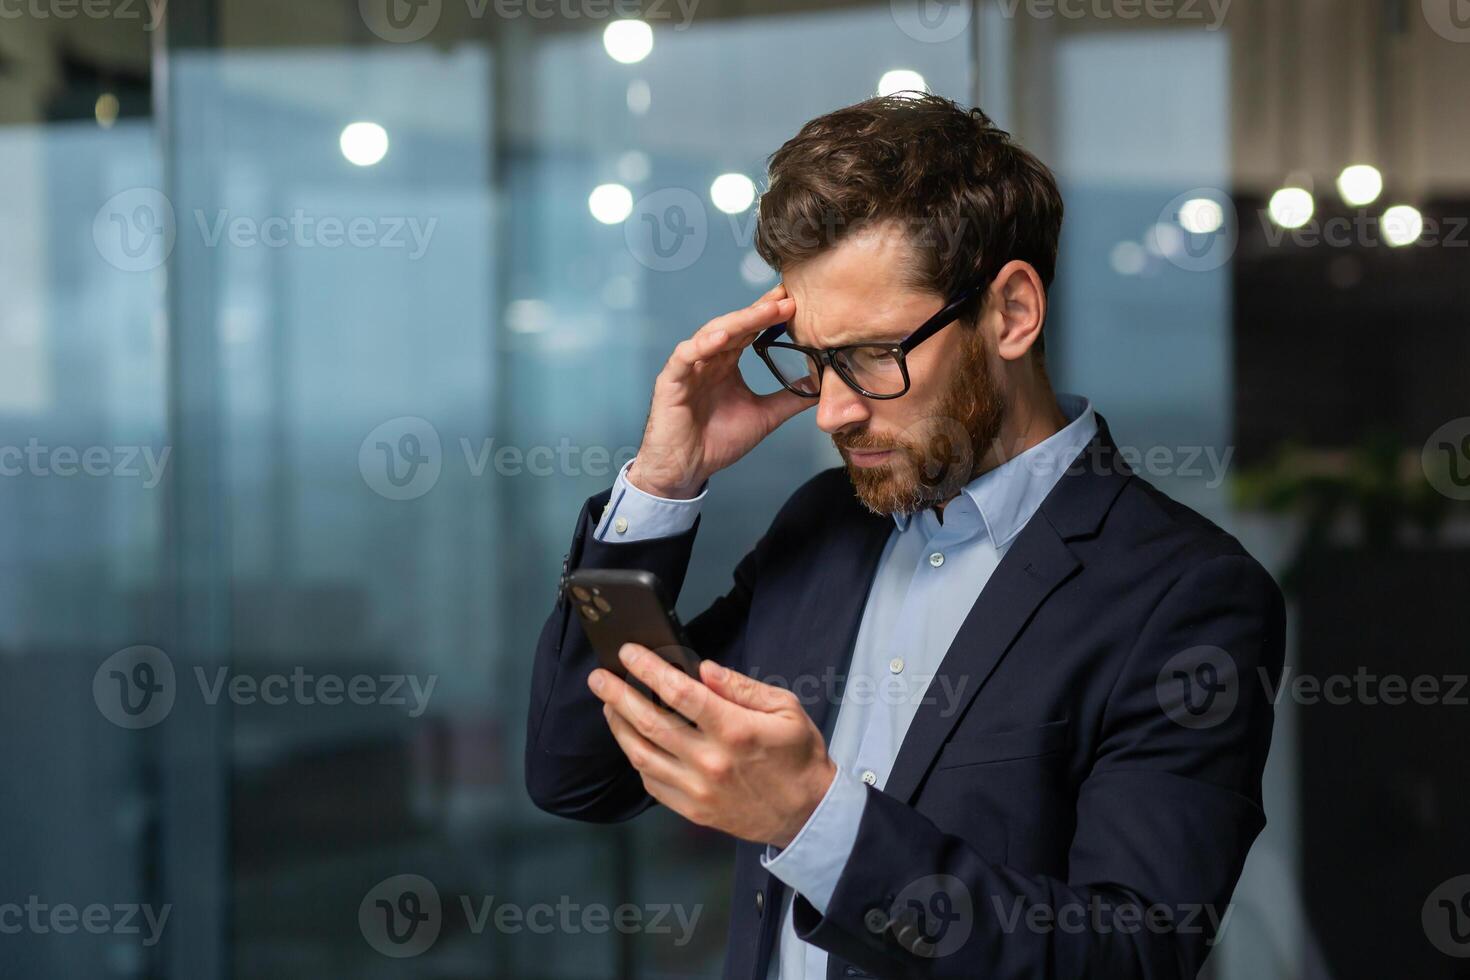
1086	807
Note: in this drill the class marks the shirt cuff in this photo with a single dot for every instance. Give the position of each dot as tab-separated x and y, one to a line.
633	515
813	861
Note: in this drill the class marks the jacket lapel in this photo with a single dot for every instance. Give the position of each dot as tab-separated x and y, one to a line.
1037	562
832	611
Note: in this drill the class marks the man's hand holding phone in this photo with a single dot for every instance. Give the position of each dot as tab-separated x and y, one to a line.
703	416
753	764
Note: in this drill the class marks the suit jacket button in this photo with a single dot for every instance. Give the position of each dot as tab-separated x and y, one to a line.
875	920
760	904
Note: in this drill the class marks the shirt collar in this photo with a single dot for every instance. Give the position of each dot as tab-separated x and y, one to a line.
1007	496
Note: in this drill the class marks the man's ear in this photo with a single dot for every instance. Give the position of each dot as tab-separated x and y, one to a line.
1019	304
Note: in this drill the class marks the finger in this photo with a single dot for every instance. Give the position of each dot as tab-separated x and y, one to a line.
670	796
777	291
747	692
729	332
781	405
664	728
675	688
644	755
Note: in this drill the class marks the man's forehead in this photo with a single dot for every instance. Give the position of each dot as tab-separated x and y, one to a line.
827	317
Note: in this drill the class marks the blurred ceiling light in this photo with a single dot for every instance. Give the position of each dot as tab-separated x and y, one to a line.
610	203
1290	207
1402	225
107	110
527	315
639	97
628	41
364	143
1164	240
1360	184
901	80
1201	216
1128	258
732	193
633	167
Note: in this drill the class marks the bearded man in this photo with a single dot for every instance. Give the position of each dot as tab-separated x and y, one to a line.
1045	756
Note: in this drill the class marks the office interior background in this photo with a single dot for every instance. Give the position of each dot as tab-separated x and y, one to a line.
320	319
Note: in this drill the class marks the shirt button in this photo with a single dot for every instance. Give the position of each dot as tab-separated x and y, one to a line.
936	559
895	666
760	903
870	777
620	525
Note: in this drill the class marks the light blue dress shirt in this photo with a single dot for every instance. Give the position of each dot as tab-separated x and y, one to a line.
928	578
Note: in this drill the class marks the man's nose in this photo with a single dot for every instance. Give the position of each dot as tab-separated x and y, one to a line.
839	406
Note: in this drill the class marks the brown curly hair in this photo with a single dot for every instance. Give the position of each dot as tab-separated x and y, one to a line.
970	198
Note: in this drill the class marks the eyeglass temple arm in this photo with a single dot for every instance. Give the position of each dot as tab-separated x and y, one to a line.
941	319
770	333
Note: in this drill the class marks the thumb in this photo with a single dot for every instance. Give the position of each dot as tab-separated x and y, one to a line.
782	405
742	690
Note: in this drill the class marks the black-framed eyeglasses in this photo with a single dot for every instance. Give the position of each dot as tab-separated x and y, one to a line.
872	370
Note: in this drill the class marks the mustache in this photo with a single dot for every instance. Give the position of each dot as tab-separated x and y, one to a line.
860	446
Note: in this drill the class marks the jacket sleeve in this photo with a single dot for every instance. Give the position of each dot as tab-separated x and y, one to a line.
1165	816
574	767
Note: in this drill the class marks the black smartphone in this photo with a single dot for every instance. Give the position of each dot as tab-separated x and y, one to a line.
618	606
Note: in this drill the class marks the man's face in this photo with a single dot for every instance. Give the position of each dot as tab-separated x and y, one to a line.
929	438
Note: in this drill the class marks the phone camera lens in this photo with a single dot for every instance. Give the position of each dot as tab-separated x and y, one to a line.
602	604
590	613
581	593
